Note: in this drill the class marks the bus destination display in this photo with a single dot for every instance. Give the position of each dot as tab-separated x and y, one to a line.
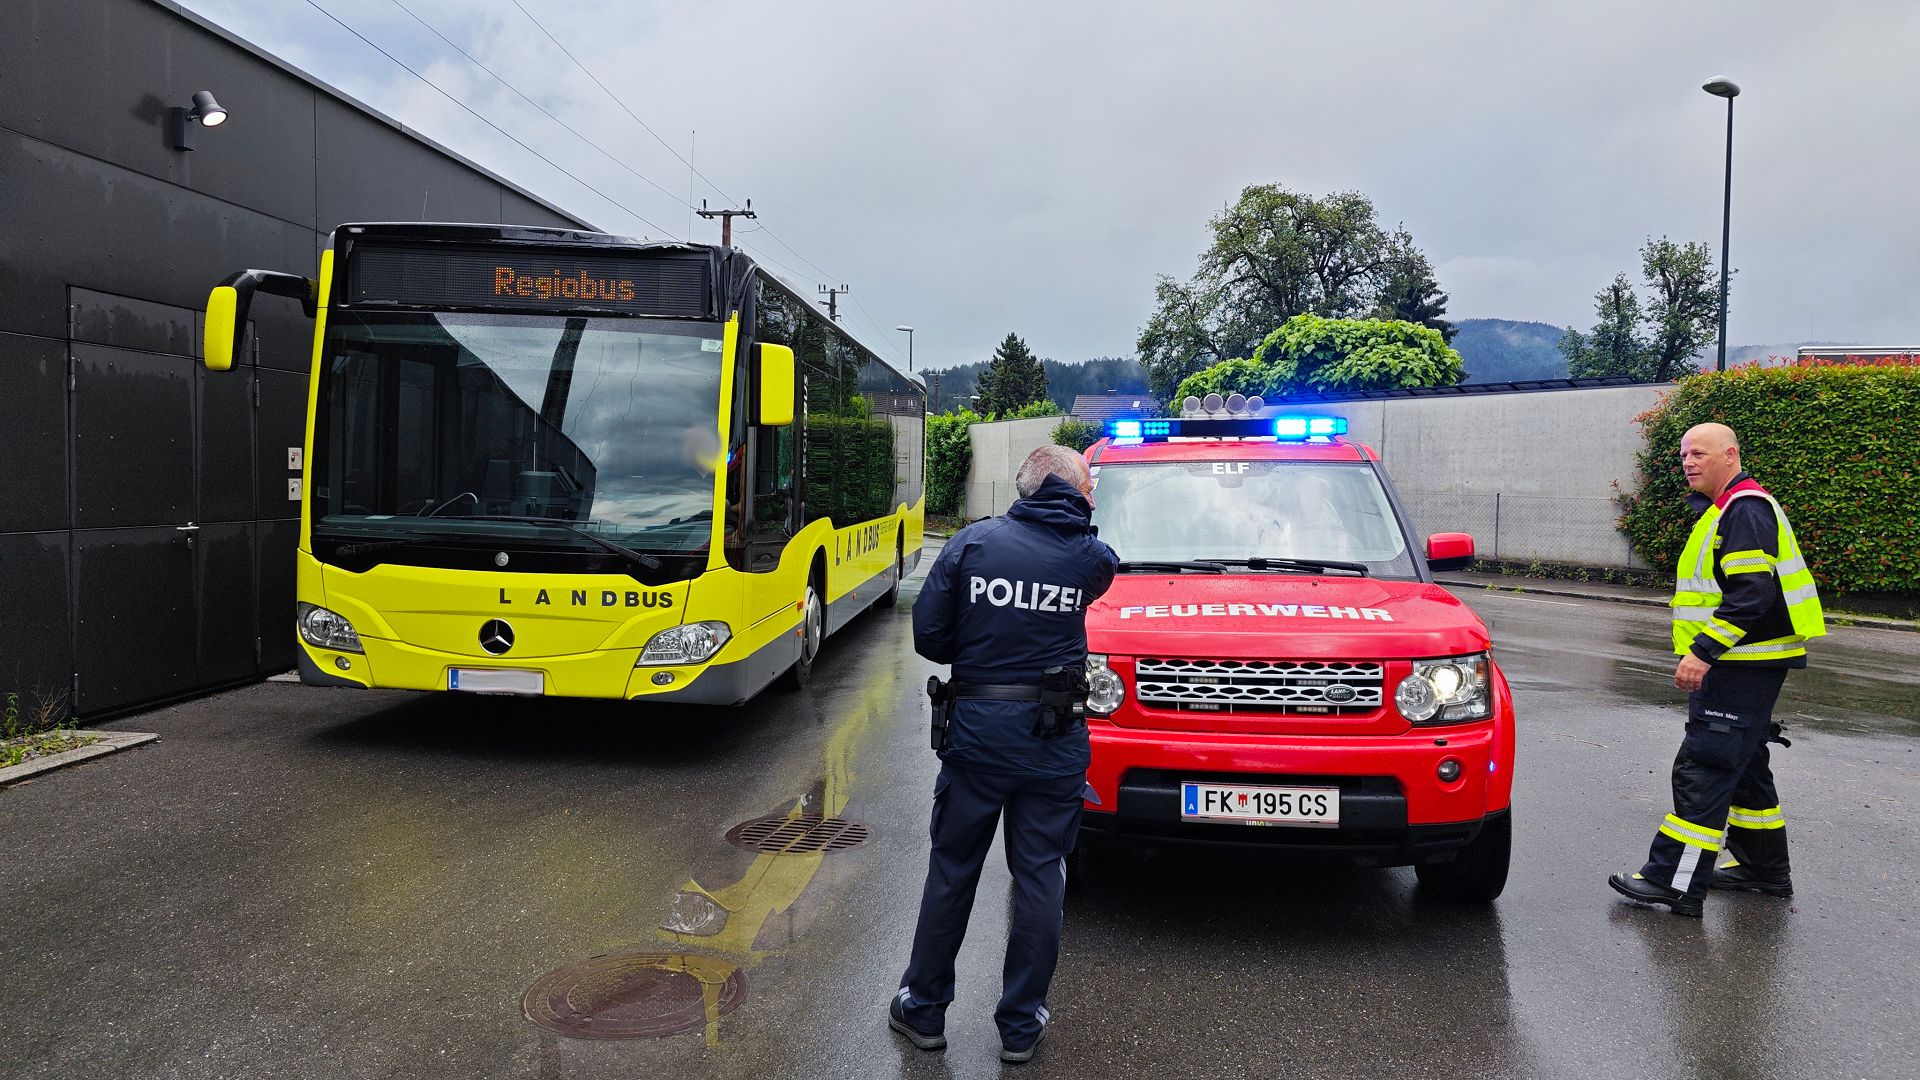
559	280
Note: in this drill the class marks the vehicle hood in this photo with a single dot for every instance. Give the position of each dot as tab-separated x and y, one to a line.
1280	616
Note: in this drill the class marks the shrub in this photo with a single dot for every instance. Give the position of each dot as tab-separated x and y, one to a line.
1839	446
1312	354
1076	434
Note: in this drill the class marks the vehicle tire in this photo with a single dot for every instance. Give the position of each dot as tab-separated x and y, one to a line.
813	630
892	595
1478	873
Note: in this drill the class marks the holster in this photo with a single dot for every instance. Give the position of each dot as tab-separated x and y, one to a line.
1063	696
942	710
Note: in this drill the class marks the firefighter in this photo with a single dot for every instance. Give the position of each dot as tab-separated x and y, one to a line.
1743	609
1005	604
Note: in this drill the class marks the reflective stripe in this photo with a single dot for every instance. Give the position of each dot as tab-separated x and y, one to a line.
1697	585
1769	650
1713	631
1732	570
1694	835
1802	594
1725	627
1793	565
1683	871
1694	614
1742	818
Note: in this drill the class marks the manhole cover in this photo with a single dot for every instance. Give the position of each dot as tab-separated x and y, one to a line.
797	835
635	995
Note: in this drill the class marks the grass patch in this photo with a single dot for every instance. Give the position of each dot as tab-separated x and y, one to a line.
34	724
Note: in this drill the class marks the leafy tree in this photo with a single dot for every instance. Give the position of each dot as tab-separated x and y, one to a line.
1410	294
1015	377
1315	355
1615	347
1276	254
1657	339
949	457
1682	315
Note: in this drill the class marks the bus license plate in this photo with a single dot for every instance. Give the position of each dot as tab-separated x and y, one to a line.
496	681
1309	807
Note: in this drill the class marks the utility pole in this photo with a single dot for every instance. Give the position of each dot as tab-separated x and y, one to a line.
726	219
832	301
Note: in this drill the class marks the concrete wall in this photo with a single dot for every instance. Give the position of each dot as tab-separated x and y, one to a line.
1530	475
147	528
998	450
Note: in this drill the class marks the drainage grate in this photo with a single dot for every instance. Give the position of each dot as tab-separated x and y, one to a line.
797	835
635	995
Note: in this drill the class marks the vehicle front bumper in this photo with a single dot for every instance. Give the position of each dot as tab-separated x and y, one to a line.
1394	809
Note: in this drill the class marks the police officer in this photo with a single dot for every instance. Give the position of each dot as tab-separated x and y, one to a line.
1005	604
1743	609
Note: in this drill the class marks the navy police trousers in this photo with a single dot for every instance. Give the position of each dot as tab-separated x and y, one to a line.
1042	818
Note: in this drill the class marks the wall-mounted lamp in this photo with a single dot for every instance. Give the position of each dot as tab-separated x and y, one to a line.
204	111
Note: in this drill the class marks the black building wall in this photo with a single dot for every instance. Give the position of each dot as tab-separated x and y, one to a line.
113	439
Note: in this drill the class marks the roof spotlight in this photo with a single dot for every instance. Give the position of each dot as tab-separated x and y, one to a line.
205	111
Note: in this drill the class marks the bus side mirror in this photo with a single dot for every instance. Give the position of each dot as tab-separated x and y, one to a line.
1449	551
232	300
776	380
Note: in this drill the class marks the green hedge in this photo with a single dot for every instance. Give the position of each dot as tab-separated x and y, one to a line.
1076	434
949	457
1839	446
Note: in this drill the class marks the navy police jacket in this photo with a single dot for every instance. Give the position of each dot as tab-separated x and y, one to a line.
1006	599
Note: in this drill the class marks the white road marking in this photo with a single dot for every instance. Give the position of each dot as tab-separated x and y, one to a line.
1531	600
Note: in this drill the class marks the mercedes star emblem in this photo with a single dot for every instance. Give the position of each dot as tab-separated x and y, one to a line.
496	636
500	559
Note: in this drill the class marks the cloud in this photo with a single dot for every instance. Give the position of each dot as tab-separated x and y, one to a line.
992	166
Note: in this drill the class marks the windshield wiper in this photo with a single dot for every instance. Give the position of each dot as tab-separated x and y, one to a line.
1299	566
368	547
1156	566
637	558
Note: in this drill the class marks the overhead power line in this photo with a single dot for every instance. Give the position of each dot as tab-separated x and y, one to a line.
497	77
503	131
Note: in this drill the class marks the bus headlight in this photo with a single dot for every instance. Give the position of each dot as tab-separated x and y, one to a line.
1105	691
691	643
1451	690
325	629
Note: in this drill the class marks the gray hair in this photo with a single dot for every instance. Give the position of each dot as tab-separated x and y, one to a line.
1050	461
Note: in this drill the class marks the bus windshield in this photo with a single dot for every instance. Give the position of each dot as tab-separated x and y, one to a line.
1250	509
605	424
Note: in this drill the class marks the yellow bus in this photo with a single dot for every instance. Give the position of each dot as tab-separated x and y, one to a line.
540	461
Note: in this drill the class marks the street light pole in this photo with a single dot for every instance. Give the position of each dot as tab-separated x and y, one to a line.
1721	86
908	330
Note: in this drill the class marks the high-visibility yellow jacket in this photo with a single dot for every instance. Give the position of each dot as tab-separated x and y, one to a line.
1743	591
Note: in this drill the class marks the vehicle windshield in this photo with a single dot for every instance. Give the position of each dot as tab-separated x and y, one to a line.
607	424
1250	509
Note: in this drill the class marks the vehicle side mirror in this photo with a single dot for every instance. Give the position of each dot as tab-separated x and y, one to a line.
776	379
232	300
1449	551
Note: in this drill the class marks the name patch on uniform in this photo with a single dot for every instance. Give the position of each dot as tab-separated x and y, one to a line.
1025	595
1282	611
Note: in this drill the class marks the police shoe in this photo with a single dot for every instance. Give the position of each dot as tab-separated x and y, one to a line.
1739	878
1635	887
897	1020
1021	1056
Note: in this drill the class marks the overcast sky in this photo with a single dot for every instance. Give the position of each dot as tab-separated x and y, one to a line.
987	166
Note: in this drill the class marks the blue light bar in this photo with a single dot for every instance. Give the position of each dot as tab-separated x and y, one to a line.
1284	428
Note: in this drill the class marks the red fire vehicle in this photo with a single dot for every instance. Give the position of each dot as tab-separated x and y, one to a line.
1274	664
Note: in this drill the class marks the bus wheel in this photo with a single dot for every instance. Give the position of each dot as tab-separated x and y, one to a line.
892	595
813	630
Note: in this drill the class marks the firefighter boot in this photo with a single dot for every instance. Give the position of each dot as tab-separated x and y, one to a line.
1635	887
1757	844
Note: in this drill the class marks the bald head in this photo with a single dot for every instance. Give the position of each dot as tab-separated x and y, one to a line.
1710	458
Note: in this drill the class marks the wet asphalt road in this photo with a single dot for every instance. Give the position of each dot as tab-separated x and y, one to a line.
304	882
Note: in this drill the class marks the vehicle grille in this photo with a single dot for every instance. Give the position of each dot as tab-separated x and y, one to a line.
1259	686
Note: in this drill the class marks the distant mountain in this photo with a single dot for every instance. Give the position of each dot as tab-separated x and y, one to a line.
1501	350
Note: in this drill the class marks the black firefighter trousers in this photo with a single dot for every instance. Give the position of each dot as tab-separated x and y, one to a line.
1723	792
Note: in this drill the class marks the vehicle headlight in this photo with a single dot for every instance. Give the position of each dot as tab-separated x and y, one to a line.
690	643
1450	690
1105	691
325	629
